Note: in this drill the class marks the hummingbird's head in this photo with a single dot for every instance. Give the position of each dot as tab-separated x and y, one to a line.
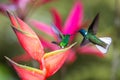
83	32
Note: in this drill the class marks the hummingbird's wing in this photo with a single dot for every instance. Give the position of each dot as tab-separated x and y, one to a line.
94	25
84	42
57	32
55	43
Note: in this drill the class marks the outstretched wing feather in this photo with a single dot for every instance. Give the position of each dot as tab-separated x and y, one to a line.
94	25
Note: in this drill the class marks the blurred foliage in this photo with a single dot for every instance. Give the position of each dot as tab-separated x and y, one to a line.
86	67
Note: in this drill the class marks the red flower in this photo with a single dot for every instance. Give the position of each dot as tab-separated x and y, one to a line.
49	62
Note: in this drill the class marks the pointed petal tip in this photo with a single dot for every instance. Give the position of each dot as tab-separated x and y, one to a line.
22	66
8	58
11	61
13	18
9	13
26	72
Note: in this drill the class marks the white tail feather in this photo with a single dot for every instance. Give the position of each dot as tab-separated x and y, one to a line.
107	40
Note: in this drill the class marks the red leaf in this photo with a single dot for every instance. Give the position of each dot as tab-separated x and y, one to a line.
27	73
27	38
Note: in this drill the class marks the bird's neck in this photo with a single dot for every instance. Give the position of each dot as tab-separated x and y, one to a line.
83	32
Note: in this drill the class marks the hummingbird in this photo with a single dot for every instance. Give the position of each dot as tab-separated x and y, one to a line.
89	36
64	39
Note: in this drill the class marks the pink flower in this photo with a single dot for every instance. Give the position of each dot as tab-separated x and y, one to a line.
72	23
22	7
71	26
50	62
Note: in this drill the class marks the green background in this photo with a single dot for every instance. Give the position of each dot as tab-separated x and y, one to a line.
86	67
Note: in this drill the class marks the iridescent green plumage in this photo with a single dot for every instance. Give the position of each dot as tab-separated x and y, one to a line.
90	35
63	39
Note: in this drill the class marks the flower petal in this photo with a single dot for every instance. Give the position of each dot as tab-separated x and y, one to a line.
42	27
27	38
27	73
54	60
57	18
23	57
72	57
49	45
74	19
88	49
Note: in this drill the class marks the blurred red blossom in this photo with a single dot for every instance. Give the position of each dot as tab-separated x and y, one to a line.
22	7
49	62
18	6
89	49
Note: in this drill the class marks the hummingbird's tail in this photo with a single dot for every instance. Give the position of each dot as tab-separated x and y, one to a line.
108	41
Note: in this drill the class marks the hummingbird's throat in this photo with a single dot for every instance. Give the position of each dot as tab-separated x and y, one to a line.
83	32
